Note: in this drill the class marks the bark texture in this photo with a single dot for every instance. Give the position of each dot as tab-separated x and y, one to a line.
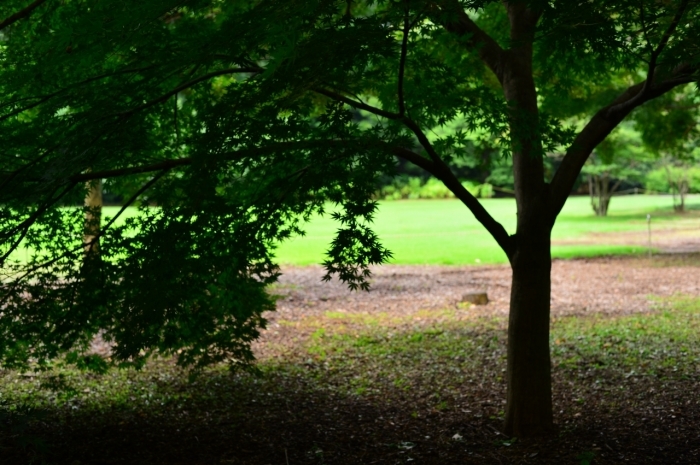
529	397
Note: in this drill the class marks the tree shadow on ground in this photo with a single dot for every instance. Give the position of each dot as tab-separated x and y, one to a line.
321	409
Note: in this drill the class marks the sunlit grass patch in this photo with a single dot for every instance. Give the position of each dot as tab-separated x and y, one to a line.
444	232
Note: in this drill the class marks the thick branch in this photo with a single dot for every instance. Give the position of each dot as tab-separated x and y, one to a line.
21	14
598	129
226	156
409	123
437	167
444	174
187	85
164	165
454	19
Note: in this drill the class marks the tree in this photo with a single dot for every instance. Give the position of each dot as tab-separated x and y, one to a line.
669	128
236	119
677	176
618	159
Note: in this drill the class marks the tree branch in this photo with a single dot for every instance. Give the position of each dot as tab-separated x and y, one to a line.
454	19
26	224
437	167
598	128
444	174
187	85
82	246
163	165
126	205
227	156
408	122
402	61
21	14
651	70
356	104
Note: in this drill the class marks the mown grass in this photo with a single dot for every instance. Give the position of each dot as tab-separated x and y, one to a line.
444	232
607	370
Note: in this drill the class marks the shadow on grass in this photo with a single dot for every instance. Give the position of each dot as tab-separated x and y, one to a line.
626	391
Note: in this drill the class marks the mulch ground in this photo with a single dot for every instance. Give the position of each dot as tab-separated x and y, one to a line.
295	415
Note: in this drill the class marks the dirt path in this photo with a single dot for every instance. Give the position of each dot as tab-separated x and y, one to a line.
585	286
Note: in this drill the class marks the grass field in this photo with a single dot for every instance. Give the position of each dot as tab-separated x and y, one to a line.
444	231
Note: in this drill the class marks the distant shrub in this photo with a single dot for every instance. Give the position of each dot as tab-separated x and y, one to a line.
434	189
668	178
405	187
678	180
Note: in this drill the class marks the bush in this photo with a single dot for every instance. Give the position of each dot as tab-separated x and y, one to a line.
405	187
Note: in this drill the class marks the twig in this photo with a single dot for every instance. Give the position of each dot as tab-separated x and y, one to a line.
402	61
655	53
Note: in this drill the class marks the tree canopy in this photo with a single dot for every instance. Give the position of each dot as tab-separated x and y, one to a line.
231	122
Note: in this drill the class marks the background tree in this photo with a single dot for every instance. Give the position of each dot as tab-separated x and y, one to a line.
677	176
237	119
619	159
670	128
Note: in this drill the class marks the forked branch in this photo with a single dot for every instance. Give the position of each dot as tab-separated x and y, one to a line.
598	129
455	20
435	166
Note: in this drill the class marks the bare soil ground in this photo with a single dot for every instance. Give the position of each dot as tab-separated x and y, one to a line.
611	286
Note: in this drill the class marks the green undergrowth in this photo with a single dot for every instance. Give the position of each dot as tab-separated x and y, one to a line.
664	344
378	355
365	356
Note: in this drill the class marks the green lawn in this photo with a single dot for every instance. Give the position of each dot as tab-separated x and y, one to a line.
445	232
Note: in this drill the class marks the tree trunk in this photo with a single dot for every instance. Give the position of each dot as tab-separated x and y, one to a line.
93	218
592	192
529	399
604	199
682	191
601	193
